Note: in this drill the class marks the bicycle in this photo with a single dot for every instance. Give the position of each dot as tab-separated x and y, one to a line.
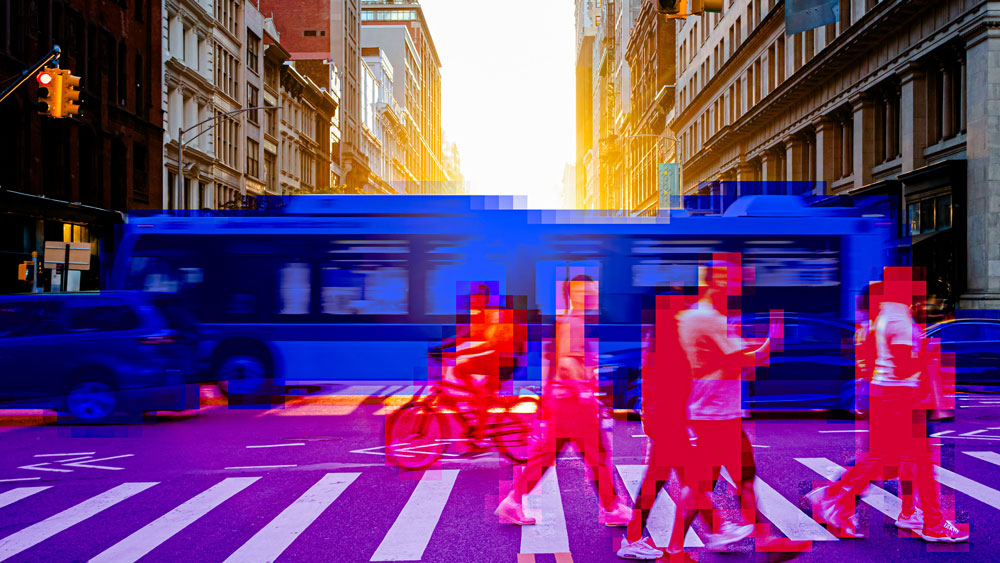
419	433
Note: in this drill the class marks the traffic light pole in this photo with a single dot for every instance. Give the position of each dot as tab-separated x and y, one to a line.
181	131
53	54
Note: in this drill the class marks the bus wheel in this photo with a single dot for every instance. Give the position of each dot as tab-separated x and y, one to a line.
241	373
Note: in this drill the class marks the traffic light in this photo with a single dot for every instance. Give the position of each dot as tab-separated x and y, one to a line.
71	94
50	92
701	6
684	8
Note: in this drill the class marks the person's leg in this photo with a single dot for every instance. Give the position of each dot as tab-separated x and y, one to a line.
657	474
588	440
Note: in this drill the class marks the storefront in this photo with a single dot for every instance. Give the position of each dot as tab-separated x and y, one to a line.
28	221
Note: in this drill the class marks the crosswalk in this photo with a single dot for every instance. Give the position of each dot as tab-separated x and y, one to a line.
414	524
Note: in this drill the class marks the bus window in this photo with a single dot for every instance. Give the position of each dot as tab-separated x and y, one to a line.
364	288
295	289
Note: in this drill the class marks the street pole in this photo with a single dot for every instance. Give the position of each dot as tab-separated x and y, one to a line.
53	54
181	131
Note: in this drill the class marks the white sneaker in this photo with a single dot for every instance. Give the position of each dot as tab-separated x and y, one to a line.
511	512
640	549
913	521
620	516
945	532
729	533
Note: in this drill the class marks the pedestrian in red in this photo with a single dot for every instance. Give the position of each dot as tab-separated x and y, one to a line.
898	420
571	411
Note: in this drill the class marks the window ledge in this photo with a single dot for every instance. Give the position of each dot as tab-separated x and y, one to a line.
887	168
946	147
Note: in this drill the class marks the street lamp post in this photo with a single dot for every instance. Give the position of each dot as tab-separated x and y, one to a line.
181	131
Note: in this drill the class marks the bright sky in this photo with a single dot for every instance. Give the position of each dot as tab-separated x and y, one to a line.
508	92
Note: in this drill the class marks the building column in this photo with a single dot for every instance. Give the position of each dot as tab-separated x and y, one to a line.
769	166
826	131
744	172
864	138
913	116
983	161
795	158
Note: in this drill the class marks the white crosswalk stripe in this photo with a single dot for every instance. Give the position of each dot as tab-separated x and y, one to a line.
784	514
410	534
661	518
267	544
544	503
989	457
163	528
876	497
14	495
41	531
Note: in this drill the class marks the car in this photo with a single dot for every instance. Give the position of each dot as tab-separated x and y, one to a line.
95	355
814	368
973	345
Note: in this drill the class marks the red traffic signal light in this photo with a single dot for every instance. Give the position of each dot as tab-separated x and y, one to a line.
50	92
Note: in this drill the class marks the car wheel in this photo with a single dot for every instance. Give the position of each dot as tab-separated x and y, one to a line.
241	374
91	401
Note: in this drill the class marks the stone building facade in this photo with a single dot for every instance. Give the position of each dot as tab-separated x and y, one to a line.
899	98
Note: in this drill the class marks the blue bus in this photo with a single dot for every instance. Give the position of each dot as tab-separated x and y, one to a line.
348	288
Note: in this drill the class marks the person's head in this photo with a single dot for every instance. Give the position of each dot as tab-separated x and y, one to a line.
904	285
581	293
714	282
480	296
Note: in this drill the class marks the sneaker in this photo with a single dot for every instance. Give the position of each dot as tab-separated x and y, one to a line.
825	511
640	549
511	512
620	516
912	521
944	532
729	533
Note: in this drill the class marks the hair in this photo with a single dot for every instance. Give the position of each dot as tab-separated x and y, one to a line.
576	278
482	289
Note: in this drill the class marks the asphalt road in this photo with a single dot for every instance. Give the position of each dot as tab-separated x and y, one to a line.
308	481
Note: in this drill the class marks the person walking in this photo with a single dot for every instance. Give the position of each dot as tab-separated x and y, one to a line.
898	422
571	412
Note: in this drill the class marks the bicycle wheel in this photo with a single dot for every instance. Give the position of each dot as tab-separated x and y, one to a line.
414	437
513	428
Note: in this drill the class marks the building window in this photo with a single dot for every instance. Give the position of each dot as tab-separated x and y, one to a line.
270	122
139	78
887	123
226	72
270	171
253	52
929	215
946	83
227	12
845	144
252	100
253	158
271	75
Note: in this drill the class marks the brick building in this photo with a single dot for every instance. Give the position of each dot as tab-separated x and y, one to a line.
72	179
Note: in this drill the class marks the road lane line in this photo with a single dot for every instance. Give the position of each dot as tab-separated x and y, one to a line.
661	517
840	431
63	455
989	457
974	432
782	513
14	495
941	433
544	503
267	544
411	532
278	445
20	479
876	497
150	536
41	531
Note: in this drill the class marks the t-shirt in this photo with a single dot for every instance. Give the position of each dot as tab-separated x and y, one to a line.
715	384
894	326
576	370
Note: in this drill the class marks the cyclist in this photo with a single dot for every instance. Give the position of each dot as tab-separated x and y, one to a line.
571	411
483	355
